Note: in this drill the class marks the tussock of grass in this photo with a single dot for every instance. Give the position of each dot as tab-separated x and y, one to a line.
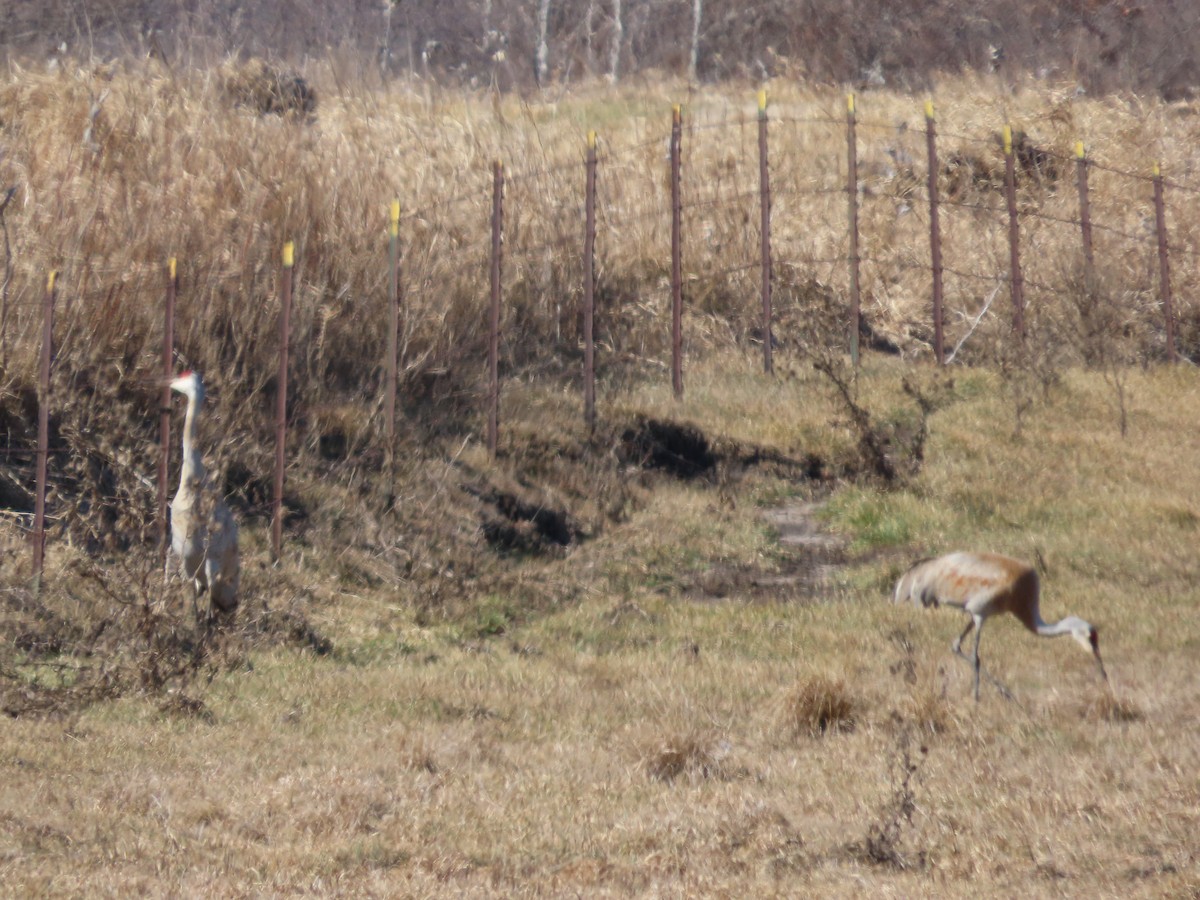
929	709
821	705
1108	707
687	754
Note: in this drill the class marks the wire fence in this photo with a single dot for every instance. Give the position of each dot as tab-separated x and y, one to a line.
867	230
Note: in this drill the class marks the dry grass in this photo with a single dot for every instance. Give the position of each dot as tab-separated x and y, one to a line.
820	705
521	717
629	739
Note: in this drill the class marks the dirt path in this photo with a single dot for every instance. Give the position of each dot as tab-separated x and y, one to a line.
802	574
798	527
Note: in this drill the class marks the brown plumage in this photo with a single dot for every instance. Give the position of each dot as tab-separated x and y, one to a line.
204	534
983	585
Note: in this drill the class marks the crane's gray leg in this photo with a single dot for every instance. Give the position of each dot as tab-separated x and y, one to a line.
975	664
957	645
978	634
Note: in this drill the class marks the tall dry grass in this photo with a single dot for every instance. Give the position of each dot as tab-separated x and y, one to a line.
490	709
119	166
642	734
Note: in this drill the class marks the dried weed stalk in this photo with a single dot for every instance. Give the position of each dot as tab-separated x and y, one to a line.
884	844
890	449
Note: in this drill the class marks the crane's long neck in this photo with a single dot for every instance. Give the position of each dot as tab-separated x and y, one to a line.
1069	625
192	471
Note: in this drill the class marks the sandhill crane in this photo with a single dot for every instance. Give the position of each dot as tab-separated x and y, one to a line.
204	535
982	585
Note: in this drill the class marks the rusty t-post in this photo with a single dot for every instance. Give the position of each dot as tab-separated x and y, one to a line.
1164	264
393	344
852	202
164	410
285	315
589	287
935	235
43	446
493	423
1085	212
1017	281
676	254
764	204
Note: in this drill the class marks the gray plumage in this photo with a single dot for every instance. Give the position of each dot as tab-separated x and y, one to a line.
983	585
204	534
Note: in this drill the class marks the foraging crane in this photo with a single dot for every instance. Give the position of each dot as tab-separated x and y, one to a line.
982	585
204	535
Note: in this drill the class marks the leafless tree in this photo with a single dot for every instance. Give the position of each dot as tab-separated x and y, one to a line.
694	57
614	56
541	65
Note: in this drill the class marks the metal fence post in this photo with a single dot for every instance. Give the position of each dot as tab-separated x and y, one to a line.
285	314
493	424
393	343
1017	282
43	448
589	287
164	412
764	202
676	253
935	235
1085	211
1164	264
852	199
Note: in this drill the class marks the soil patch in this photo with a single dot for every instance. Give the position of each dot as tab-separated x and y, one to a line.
513	524
804	575
678	449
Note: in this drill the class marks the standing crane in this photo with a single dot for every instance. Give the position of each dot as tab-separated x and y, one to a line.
204	534
983	585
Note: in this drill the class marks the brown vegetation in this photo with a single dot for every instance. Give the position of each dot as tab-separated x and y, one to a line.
572	669
1105	45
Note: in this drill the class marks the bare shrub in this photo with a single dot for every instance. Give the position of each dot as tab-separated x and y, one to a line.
260	86
924	704
884	843
890	448
1112	329
103	633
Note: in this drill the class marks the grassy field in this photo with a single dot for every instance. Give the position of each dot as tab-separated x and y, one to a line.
590	666
661	732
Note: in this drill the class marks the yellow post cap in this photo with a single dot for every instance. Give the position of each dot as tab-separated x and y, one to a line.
1007	140
591	140
171	267
394	218
929	109
850	104
762	100
50	279
289	254
1079	151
